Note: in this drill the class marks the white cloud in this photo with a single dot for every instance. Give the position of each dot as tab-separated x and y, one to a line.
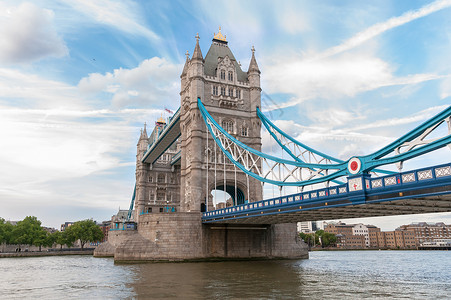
333	78
417	117
123	16
154	81
382	27
27	33
31	90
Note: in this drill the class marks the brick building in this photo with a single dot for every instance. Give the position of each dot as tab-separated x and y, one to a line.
427	232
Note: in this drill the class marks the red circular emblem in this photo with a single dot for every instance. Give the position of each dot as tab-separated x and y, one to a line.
354	166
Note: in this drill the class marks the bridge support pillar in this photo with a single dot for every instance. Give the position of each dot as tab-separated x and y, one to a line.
253	241
182	236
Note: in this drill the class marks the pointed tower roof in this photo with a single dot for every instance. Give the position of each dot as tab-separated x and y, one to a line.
197	54
218	50
185	68
143	133
253	66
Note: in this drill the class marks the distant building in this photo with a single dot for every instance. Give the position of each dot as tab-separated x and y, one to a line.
105	227
66	225
427	232
310	226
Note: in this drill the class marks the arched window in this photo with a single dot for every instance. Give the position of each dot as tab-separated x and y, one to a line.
238	94
222	74
230	76
231	92
223	91
228	125
215	90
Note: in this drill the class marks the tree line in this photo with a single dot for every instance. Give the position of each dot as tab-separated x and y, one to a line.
30	232
320	237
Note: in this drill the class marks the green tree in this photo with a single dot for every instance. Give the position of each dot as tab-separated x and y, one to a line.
63	238
85	231
27	231
327	239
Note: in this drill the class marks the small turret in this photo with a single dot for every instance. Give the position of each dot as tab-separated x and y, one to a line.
253	75
197	54
186	66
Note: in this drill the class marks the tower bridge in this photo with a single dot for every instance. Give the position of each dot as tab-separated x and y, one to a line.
213	142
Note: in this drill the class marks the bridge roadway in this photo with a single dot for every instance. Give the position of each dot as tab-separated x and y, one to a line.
426	190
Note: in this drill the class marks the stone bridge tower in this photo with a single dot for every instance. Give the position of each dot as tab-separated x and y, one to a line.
231	96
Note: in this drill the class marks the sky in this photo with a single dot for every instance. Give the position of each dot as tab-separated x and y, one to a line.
79	78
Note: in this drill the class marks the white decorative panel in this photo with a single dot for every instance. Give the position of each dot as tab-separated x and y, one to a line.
332	191
322	193
444	171
342	190
314	195
409	177
376	183
390	180
426	174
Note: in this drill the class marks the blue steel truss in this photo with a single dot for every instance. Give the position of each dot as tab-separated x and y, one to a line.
252	162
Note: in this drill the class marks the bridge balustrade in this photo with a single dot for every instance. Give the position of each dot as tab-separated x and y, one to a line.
334	196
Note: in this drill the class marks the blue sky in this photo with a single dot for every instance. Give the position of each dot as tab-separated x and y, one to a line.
79	78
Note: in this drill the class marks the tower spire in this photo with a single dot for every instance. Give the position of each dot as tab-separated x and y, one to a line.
197	54
253	66
185	67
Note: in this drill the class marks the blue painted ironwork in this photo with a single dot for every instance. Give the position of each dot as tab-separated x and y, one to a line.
392	186
413	140
130	210
237	151
247	159
302	148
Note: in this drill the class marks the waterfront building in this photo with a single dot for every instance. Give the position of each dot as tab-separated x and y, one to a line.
359	236
427	232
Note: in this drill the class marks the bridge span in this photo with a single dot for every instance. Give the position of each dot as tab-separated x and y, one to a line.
426	190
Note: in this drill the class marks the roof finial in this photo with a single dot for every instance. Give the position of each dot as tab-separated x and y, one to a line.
219	36
197	37
145	126
187	54
253	49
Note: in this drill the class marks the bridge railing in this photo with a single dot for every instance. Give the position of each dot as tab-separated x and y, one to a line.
334	195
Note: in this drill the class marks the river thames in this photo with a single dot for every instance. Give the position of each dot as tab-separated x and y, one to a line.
326	275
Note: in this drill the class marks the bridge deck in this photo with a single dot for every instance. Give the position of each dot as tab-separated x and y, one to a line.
421	191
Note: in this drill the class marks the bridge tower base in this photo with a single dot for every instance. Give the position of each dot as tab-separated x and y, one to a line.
182	236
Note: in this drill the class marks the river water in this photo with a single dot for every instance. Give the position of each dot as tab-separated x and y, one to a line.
326	275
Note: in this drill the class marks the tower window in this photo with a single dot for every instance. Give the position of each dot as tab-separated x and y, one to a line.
222	74
238	94
244	131
228	125
223	90
161	178
231	92
215	90
230	76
